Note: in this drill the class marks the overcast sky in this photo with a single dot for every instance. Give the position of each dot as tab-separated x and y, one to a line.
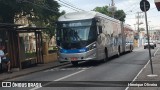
130	7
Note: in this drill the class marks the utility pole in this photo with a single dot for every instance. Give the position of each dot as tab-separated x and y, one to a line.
138	23
113	8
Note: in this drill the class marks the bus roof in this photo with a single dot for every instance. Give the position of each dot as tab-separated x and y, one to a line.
84	15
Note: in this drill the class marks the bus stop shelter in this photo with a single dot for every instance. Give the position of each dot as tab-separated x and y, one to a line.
10	38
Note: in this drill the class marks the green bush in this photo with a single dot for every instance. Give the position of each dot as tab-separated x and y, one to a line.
30	54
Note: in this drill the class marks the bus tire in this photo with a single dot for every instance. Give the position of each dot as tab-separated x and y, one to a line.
131	48
106	54
74	63
119	52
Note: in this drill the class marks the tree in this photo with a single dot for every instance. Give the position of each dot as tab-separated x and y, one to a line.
42	13
103	10
119	14
51	27
36	9
142	29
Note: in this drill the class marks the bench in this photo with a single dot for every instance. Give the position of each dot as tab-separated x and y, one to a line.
3	67
29	62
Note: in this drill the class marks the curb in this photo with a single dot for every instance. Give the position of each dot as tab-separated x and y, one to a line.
33	71
142	69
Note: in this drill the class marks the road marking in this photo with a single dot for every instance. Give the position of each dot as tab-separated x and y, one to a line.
65	69
69	75
59	79
138	74
156	52
141	70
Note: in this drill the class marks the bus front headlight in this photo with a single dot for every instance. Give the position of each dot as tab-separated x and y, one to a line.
91	46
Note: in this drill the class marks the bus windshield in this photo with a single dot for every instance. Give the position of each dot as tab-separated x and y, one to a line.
77	34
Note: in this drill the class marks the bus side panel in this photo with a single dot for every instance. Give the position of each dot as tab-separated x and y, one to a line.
117	37
123	38
101	41
108	30
112	31
128	38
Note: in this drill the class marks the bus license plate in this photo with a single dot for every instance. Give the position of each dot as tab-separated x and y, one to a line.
73	58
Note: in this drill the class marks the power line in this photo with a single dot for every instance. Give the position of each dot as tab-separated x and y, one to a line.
19	1
131	8
154	16
68	5
128	9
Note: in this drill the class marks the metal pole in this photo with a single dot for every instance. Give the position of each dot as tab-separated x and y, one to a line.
138	29
148	38
113	8
138	22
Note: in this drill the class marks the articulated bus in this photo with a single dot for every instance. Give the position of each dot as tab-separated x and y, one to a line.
90	35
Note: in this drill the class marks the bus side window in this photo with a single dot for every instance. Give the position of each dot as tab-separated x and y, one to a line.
100	29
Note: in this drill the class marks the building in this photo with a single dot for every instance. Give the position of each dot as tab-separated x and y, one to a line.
154	34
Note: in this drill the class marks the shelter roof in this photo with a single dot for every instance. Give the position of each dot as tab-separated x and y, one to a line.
9	25
30	29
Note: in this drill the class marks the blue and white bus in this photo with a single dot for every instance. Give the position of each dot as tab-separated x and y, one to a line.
88	35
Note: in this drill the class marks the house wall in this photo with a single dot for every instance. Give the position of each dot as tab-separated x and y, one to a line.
50	58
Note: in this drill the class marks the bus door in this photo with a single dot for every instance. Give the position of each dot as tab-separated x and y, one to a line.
100	41
109	44
112	44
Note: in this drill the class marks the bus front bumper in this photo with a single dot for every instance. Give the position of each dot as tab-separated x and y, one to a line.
89	55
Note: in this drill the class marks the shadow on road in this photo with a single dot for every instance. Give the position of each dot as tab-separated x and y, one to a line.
94	63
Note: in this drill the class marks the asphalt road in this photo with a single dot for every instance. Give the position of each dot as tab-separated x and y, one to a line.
91	75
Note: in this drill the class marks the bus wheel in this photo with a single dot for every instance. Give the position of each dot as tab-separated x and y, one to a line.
131	48
118	53
74	63
106	54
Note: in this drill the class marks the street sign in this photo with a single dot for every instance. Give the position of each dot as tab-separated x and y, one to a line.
157	3
146	4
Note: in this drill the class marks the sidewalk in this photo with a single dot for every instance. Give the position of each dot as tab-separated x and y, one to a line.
147	71
22	72
141	77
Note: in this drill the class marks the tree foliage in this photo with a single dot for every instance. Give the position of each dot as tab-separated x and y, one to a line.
103	10
119	14
42	13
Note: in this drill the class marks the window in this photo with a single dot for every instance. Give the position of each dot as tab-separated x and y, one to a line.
100	29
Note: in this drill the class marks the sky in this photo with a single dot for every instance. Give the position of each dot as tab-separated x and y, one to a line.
130	7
